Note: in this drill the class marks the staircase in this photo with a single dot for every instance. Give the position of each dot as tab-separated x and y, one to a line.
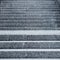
29	15
29	46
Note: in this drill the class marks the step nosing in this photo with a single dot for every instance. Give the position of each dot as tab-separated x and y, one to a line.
29	32
36	50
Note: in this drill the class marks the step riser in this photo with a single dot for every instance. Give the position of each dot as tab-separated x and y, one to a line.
29	37
29	54
30	45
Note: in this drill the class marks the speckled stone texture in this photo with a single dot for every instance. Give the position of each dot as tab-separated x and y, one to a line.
29	54
29	14
29	37
20	44
29	45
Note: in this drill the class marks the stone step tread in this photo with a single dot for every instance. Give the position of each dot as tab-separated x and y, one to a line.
30	28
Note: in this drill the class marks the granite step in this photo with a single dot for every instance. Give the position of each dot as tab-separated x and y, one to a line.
29	15
30	54
29	45
29	37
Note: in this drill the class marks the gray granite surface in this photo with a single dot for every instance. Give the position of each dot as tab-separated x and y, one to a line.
29	37
29	54
29	14
30	45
